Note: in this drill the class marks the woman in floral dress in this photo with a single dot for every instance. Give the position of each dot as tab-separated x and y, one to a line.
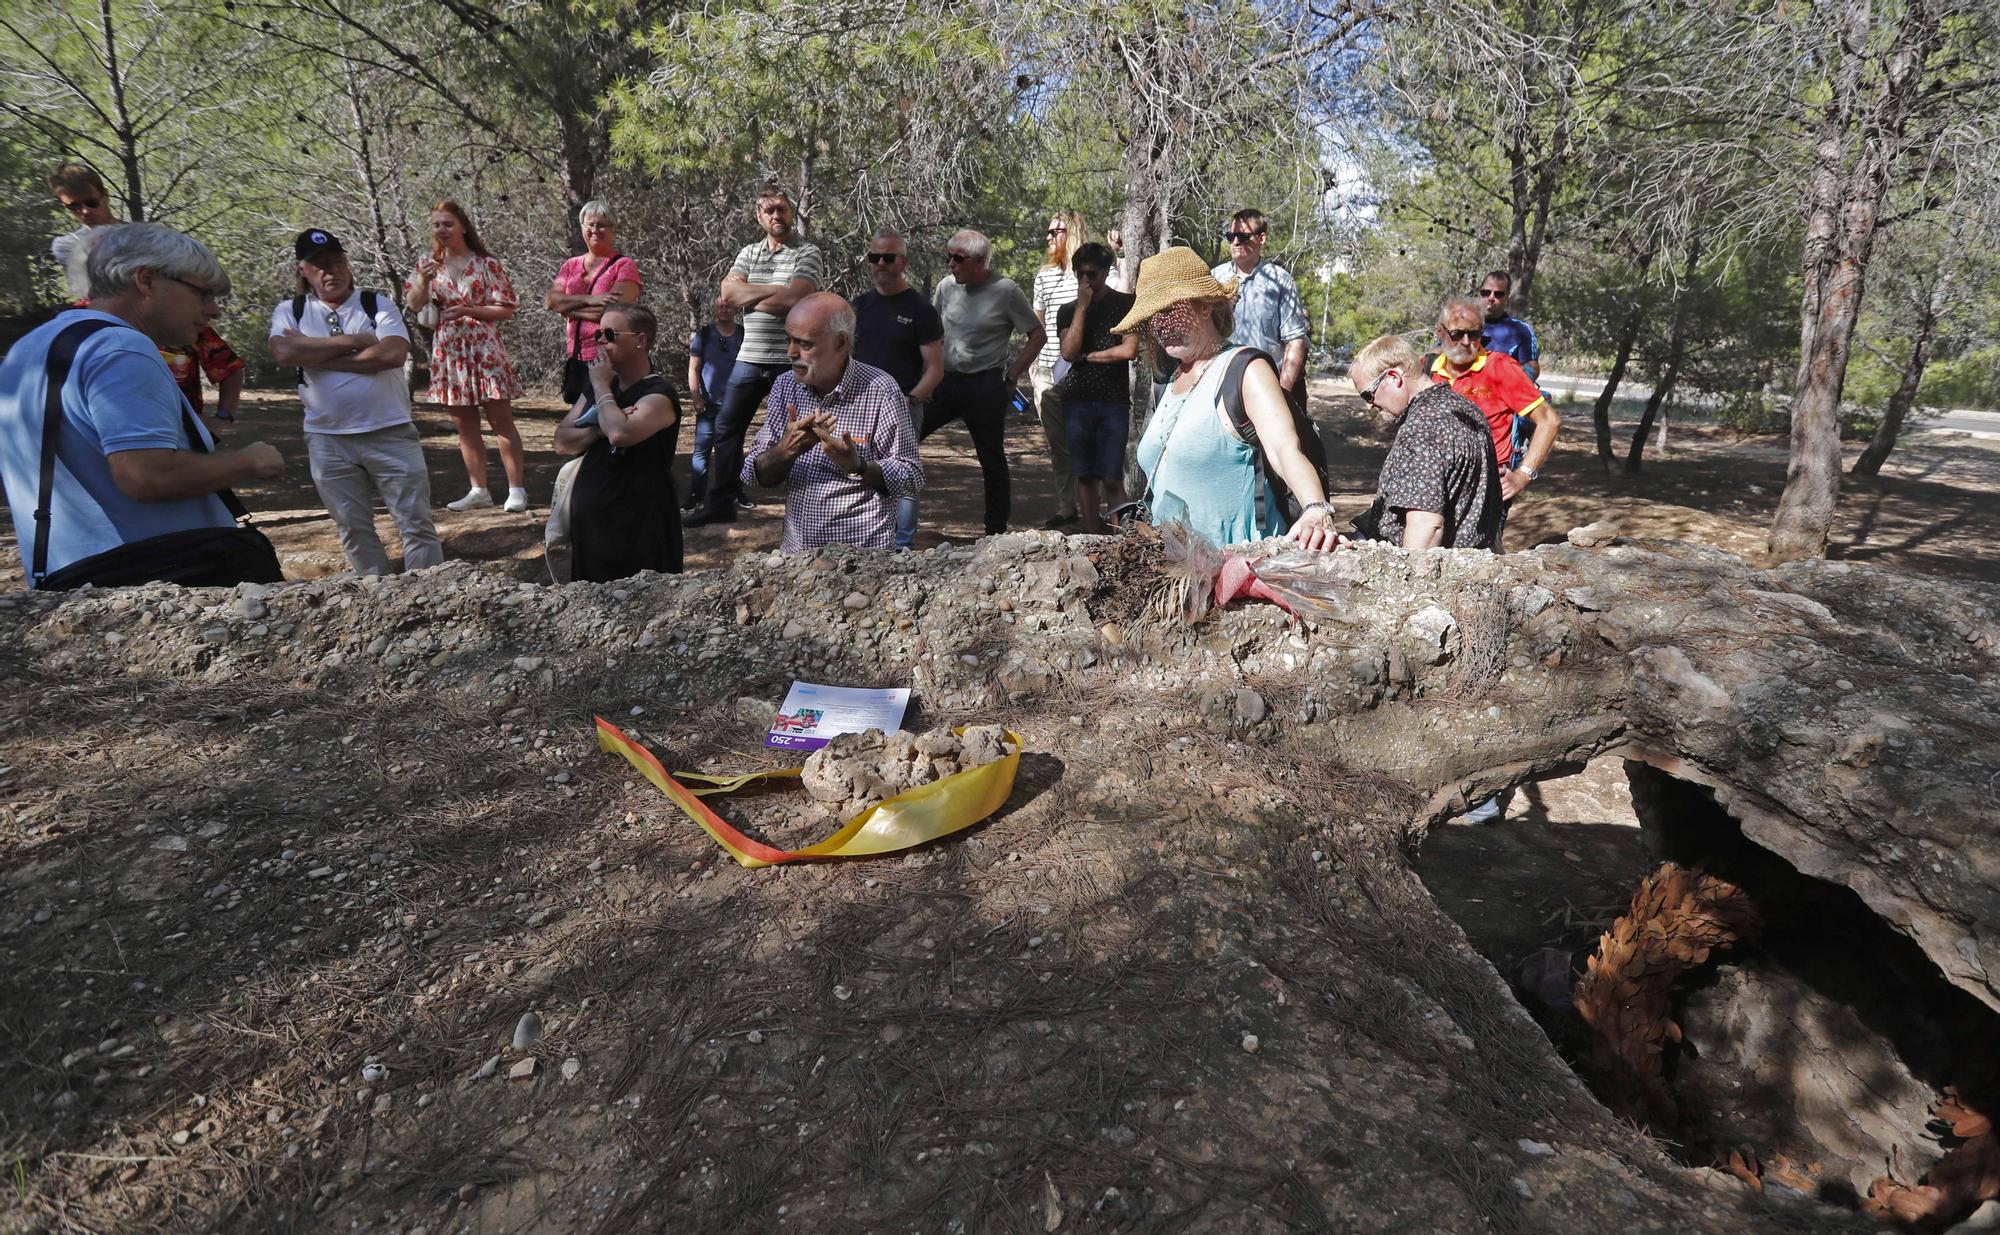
469	365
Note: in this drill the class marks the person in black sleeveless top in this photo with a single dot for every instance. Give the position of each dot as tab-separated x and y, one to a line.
623	515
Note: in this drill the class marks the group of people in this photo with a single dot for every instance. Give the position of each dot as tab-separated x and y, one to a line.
103	448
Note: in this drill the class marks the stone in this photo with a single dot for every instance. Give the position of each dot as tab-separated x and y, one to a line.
523	1070
1592	535
1428	633
527	1031
487	1069
1250	1044
570	1068
1537	1149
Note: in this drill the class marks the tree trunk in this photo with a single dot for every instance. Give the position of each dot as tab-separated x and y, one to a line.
579	170
1905	397
128	142
364	166
1670	371
1628	337
1845	194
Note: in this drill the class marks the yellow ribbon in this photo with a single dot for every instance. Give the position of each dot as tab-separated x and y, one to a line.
902	822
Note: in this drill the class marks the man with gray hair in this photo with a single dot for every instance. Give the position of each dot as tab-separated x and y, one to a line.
982	312
837	433
110	477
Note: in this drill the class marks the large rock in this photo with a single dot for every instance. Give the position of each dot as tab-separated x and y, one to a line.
1038	1022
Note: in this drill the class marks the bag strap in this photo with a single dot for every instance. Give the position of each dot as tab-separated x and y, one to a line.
56	369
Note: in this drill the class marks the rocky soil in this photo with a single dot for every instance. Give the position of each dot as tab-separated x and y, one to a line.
285	867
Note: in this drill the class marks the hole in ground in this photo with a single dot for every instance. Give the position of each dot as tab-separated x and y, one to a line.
1821	1047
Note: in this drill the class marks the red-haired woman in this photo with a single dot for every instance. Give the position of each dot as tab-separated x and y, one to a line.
469	365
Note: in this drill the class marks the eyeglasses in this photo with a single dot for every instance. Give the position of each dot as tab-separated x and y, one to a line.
956	258
1058	231
80	207
1368	391
1462	336
333	322
881	259
209	295
1240	237
607	335
1487	293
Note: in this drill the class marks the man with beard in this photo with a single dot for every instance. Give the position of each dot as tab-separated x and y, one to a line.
837	434
1501	390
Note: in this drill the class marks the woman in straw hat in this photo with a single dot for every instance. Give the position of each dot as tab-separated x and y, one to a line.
1198	471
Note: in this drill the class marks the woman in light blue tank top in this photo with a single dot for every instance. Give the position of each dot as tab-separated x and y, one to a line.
1199	472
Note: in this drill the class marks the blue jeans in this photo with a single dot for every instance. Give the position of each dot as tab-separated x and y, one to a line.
748	384
704	437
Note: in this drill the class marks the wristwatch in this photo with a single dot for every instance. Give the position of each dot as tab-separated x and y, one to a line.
1527	471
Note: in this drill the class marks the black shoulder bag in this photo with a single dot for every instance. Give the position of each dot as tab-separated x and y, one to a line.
197	557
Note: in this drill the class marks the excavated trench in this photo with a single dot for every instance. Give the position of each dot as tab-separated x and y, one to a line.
1812	1057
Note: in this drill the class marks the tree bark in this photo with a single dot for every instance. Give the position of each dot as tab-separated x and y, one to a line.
1905	397
579	169
1845	195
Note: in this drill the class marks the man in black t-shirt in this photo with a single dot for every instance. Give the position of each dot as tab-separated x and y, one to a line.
1097	387
897	331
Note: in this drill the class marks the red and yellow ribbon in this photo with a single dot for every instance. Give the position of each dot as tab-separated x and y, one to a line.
902	822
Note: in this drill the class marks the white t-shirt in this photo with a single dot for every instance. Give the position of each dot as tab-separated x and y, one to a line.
339	402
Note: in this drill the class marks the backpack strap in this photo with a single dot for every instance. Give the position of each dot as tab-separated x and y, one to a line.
1232	391
298	310
371	303
56	367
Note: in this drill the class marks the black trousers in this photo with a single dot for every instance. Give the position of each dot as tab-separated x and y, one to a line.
980	400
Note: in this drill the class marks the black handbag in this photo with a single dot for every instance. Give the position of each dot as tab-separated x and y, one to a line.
195	557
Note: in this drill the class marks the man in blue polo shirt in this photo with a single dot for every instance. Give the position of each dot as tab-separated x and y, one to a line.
131	462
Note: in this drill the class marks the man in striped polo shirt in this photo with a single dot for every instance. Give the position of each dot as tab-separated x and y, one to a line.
768	277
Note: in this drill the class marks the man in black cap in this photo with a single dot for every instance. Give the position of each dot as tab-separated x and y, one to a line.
349	346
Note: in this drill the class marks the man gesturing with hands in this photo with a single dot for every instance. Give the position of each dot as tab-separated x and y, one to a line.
837	434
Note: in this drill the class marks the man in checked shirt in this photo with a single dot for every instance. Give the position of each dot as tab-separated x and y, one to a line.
837	434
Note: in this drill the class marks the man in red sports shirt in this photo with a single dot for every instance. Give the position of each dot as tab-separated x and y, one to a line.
1500	387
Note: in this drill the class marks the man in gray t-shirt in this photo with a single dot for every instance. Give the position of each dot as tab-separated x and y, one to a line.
767	278
982	313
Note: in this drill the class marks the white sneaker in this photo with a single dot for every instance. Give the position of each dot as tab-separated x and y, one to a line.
517	501
476	499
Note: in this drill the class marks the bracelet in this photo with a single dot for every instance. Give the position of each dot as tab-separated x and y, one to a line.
1309	507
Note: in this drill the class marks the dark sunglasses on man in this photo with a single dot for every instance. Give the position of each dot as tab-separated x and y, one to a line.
79	207
1465	336
1368	391
881	259
956	258
1240	237
1487	293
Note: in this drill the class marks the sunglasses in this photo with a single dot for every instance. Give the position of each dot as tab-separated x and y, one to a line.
607	335
1368	391
1463	336
956	258
1240	237
1487	293
881	259
333	323
80	207
1058	231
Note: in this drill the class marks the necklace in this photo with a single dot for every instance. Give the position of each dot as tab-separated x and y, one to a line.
1193	372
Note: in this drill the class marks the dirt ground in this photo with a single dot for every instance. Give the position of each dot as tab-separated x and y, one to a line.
1933	511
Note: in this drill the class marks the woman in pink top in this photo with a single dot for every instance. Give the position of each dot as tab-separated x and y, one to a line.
469	365
597	277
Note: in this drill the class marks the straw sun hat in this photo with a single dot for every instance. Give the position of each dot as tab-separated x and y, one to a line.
1169	277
